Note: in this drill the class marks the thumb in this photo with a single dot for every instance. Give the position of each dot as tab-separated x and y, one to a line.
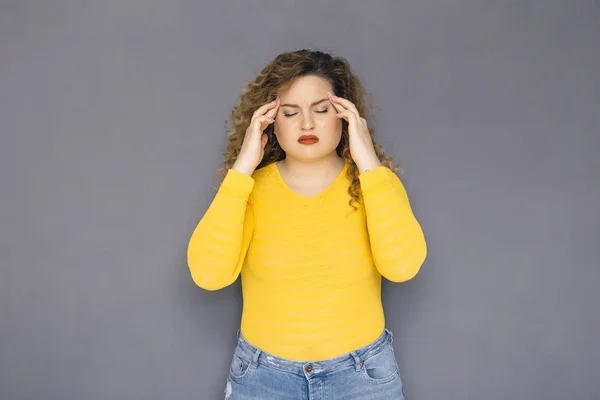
264	139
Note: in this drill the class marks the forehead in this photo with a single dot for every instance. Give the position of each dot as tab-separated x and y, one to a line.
305	88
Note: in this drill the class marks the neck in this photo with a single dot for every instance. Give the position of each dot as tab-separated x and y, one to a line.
312	169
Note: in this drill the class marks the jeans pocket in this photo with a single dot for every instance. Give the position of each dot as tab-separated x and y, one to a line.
240	367
381	367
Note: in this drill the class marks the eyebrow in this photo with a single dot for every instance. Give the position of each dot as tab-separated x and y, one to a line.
297	106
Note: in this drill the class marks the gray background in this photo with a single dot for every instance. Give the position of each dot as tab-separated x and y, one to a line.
112	125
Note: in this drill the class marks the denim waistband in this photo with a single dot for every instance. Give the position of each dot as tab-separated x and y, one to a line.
353	358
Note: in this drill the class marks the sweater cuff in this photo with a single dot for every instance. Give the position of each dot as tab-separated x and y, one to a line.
237	184
373	178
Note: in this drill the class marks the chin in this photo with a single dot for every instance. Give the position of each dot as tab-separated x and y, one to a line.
310	156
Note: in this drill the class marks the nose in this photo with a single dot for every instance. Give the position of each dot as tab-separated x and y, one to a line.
307	124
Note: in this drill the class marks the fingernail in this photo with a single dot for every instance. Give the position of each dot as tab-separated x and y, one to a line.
331	94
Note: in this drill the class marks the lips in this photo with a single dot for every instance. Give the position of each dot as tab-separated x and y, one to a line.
308	139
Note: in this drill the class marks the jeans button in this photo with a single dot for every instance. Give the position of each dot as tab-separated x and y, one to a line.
308	368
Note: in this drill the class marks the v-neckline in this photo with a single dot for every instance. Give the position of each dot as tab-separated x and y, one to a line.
317	196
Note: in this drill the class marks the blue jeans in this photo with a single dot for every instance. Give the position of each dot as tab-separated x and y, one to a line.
370	372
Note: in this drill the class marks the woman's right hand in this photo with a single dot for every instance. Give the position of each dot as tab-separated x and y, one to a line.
253	146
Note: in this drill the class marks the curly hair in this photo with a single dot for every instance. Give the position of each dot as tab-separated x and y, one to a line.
275	76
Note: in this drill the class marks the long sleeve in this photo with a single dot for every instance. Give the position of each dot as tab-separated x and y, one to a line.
397	242
219	243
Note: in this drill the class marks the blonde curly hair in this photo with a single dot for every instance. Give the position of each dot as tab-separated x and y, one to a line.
276	75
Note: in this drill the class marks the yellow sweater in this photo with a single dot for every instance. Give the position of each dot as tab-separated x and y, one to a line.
311	267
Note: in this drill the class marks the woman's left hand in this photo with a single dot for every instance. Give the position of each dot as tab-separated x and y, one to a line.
361	145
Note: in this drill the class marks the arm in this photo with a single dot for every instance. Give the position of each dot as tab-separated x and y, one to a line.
219	243
397	241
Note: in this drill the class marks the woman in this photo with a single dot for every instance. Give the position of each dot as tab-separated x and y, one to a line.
312	215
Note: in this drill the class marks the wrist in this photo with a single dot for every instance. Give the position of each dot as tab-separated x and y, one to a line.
368	165
244	169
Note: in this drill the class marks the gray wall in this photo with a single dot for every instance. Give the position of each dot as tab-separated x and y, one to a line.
112	123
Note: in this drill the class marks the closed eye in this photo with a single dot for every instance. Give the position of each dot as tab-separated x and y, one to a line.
317	111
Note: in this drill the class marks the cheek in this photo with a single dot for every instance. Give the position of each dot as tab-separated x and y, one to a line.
282	127
284	131
332	125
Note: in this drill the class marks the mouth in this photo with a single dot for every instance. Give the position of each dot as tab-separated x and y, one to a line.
308	139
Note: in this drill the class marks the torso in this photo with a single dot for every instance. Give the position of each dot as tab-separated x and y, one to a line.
310	288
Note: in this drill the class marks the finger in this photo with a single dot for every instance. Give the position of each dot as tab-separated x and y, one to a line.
273	111
348	115
262	121
345	103
264	139
265	107
338	107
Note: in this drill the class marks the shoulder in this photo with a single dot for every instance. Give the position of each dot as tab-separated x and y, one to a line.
264	173
264	181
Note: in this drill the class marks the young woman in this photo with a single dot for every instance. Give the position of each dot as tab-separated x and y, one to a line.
312	215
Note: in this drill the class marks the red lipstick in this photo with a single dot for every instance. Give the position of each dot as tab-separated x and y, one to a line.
308	139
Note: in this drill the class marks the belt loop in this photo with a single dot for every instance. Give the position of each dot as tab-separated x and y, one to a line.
390	335
358	364
238	333
254	361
